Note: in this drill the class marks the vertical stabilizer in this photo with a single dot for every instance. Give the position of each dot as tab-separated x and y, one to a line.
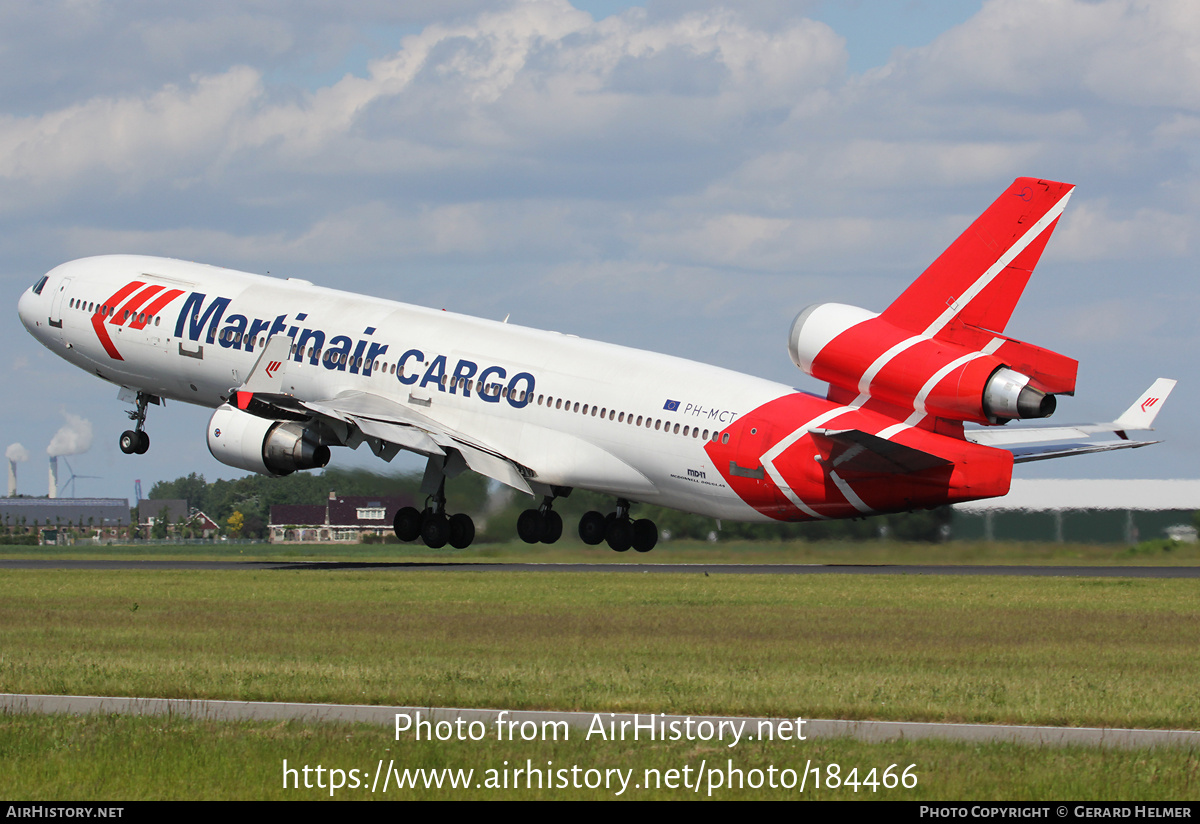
978	280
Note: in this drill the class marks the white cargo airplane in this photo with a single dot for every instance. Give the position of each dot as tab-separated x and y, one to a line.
293	369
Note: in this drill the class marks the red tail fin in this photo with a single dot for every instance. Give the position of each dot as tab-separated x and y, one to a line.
938	347
979	279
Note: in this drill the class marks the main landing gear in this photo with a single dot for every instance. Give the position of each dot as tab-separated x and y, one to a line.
540	525
136	441
618	530
433	526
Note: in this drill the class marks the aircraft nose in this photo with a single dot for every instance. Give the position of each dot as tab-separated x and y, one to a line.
26	308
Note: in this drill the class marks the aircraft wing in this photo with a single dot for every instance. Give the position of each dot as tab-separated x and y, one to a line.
1039	443
378	418
385	425
555	458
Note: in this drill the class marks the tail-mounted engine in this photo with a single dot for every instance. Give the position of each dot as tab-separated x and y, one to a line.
962	373
269	447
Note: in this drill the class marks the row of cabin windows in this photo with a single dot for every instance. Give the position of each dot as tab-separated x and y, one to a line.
108	311
658	424
551	402
468	385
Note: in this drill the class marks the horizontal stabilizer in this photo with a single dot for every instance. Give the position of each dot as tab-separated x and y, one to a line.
1039	443
1025	454
852	451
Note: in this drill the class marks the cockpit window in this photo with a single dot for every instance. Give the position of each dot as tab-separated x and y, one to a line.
37	287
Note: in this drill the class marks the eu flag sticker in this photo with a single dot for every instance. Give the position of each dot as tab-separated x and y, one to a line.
671	406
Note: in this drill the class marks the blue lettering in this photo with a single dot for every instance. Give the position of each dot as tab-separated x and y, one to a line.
191	312
520	377
464	370
355	360
435	373
339	348
231	335
256	326
375	351
318	340
408	380
484	392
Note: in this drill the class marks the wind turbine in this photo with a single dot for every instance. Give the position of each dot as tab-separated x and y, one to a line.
71	480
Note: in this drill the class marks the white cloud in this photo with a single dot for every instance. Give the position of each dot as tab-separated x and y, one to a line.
1129	52
1090	231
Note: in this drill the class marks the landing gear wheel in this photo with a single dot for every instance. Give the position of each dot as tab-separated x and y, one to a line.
645	535
135	441
435	530
407	524
619	534
552	526
592	528
530	526
461	531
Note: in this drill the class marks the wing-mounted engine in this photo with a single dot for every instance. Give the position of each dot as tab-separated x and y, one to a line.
961	373
264	445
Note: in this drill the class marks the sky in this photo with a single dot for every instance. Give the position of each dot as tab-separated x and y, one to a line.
682	177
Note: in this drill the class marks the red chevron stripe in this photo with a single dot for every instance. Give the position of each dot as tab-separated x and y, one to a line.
101	315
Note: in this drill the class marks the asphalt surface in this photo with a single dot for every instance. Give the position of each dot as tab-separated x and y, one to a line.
783	729
695	569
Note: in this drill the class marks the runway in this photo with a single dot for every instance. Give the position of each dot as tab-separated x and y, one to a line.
1022	570
783	728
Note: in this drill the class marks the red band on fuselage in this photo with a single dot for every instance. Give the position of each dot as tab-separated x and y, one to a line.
102	315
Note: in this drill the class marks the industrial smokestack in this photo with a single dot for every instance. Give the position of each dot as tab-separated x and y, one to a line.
15	454
72	438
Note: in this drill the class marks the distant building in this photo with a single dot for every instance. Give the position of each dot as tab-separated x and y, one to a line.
149	511
55	512
341	519
1084	511
177	512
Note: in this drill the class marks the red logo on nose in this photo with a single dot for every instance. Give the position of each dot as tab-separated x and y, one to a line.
117	313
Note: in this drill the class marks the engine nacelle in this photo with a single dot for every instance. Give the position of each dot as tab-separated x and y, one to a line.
261	445
861	353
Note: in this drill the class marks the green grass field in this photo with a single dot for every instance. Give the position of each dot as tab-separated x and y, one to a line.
571	550
1065	651
123	759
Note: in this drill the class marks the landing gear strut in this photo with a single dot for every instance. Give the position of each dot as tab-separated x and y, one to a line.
433	526
618	530
540	525
137	440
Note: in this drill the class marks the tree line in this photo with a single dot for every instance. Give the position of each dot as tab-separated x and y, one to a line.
248	500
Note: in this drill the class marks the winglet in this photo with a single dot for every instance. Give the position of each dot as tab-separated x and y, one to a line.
267	375
1141	415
